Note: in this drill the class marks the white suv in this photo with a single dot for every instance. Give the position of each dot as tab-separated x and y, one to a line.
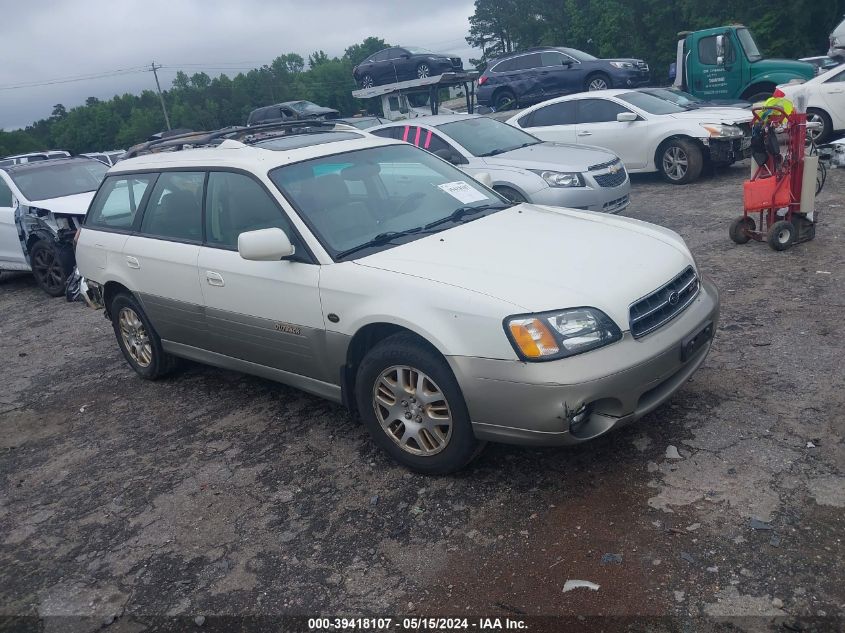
373	273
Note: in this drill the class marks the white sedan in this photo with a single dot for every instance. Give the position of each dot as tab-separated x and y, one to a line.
825	101
648	133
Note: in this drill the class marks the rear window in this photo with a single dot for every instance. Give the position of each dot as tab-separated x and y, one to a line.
562	113
56	180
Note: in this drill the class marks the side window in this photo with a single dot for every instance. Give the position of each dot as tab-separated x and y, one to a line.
381	56
117	202
389	132
551	58
174	209
598	110
840	78
562	113
5	194
526	62
707	50
505	66
234	204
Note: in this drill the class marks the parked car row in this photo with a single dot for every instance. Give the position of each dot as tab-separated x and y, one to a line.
371	272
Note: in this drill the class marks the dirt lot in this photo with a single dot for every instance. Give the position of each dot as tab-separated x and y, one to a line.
217	493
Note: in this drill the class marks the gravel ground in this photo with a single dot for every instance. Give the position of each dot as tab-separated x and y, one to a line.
213	492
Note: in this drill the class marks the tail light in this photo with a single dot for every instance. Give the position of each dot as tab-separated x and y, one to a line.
482	80
778	93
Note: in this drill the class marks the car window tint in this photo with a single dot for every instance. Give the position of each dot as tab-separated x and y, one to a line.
388	132
552	58
380	56
528	61
598	110
840	78
707	50
235	204
562	113
423	138
175	207
117	202
504	66
5	194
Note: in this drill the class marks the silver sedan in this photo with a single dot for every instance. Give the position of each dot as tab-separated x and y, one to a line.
523	168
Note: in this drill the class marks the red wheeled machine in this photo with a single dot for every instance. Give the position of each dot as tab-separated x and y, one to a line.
774	193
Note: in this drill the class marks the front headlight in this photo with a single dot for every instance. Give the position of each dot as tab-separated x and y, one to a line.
622	65
560	178
560	333
721	131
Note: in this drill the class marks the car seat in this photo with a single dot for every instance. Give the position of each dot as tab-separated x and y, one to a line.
327	201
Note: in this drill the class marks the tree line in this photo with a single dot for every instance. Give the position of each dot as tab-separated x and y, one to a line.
645	29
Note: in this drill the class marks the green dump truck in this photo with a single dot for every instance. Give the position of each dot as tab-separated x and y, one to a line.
725	63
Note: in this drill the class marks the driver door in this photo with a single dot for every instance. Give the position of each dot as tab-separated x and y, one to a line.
11	251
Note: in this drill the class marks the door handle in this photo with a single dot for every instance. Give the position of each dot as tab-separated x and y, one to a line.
132	262
214	279
584	134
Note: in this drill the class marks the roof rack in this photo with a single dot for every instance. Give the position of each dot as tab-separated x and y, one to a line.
248	135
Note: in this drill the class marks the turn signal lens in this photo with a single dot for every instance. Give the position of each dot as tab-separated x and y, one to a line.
533	338
778	93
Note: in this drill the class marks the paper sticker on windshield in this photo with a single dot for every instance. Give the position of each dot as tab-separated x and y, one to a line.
461	190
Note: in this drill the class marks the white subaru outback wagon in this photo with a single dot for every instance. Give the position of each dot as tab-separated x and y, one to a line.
373	273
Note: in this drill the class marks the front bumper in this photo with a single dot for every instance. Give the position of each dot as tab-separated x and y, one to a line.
589	198
532	403
631	79
728	150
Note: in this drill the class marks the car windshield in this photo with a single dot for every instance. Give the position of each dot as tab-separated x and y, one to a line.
303	107
481	136
361	201
651	104
581	56
750	46
55	180
416	50
675	96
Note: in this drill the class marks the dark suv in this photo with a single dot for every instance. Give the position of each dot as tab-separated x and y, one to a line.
402	64
290	111
520	79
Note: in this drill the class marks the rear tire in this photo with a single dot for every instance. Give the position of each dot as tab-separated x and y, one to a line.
781	235
413	408
680	161
138	340
52	264
511	194
739	227
504	100
423	71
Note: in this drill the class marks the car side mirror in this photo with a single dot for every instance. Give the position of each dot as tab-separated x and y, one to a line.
720	50
626	117
405	56
265	245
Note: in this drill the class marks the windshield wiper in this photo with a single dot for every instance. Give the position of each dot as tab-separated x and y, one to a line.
461	212
496	152
378	240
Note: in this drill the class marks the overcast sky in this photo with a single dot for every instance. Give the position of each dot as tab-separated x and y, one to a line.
56	40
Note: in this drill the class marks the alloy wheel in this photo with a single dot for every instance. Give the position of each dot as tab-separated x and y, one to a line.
412	410
816	132
423	71
367	81
135	337
48	270
675	163
597	83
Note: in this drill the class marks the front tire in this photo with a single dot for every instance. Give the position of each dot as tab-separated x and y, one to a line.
781	235
511	194
367	81
822	135
597	81
138	340
423	71
680	161
413	408
52	264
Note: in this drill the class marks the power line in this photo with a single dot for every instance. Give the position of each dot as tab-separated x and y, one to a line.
65	80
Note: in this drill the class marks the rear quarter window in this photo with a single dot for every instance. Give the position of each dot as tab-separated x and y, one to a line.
116	204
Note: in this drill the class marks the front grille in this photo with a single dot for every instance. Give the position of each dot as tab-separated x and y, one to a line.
615	206
611	179
601	166
457	63
642	66
664	304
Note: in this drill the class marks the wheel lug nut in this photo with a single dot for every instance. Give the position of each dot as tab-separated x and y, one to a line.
407	415
419	418
404	403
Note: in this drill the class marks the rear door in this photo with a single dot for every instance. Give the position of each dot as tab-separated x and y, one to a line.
597	125
555	122
833	94
160	260
559	74
11	251
267	313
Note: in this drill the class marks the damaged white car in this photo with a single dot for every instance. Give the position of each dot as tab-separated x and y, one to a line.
41	206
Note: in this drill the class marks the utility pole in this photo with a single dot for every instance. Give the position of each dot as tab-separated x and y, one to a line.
161	98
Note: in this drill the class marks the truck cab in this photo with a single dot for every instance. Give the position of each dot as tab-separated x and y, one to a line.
726	63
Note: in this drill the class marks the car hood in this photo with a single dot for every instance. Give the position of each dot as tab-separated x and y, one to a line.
558	156
318	111
632	60
782	66
76	204
715	115
540	258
